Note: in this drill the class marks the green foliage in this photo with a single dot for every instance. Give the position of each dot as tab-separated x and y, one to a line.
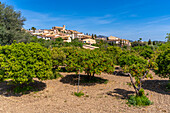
135	43
22	90
58	57
130	59
23	62
137	67
58	42
152	65
164	47
163	62
168	37
139	100
11	24
147	53
137	71
74	43
55	75
79	94
102	44
114	53
149	42
92	62
33	28
92	36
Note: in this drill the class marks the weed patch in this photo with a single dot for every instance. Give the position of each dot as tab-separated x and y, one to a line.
79	94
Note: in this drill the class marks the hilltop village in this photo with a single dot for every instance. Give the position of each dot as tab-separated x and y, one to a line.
69	35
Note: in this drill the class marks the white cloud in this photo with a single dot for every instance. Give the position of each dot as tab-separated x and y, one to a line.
159	19
105	25
42	20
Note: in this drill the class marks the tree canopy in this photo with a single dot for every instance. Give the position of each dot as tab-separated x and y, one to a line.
92	62
11	23
23	62
163	62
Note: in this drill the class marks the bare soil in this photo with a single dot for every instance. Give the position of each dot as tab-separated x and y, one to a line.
55	96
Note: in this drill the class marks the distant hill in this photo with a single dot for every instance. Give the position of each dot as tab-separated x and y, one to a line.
101	36
131	41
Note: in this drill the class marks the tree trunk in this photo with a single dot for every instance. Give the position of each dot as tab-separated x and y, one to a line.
93	75
140	84
136	89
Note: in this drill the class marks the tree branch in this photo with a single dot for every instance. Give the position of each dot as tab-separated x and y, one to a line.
133	83
145	75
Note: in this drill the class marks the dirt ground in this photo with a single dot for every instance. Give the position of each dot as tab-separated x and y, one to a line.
56	96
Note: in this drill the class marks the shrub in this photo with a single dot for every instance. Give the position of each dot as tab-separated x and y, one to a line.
139	100
114	53
23	62
58	57
163	62
130	59
147	53
55	75
92	62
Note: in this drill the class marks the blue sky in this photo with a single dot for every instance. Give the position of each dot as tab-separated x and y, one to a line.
129	19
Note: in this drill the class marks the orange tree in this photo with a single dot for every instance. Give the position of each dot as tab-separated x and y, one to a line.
90	61
145	51
163	62
23	62
114	53
58	57
135	66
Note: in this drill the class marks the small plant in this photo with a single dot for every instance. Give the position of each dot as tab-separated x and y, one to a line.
79	94
139	100
129	84
106	82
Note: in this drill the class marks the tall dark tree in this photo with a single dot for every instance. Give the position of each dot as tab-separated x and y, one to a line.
92	36
33	28
11	23
140	39
149	42
95	36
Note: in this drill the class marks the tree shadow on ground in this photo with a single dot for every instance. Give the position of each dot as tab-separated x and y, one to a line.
120	73
84	80
158	86
8	90
120	93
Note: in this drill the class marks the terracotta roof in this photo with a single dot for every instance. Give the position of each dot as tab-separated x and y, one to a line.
47	36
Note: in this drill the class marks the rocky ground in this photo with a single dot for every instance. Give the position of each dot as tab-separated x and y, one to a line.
55	96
